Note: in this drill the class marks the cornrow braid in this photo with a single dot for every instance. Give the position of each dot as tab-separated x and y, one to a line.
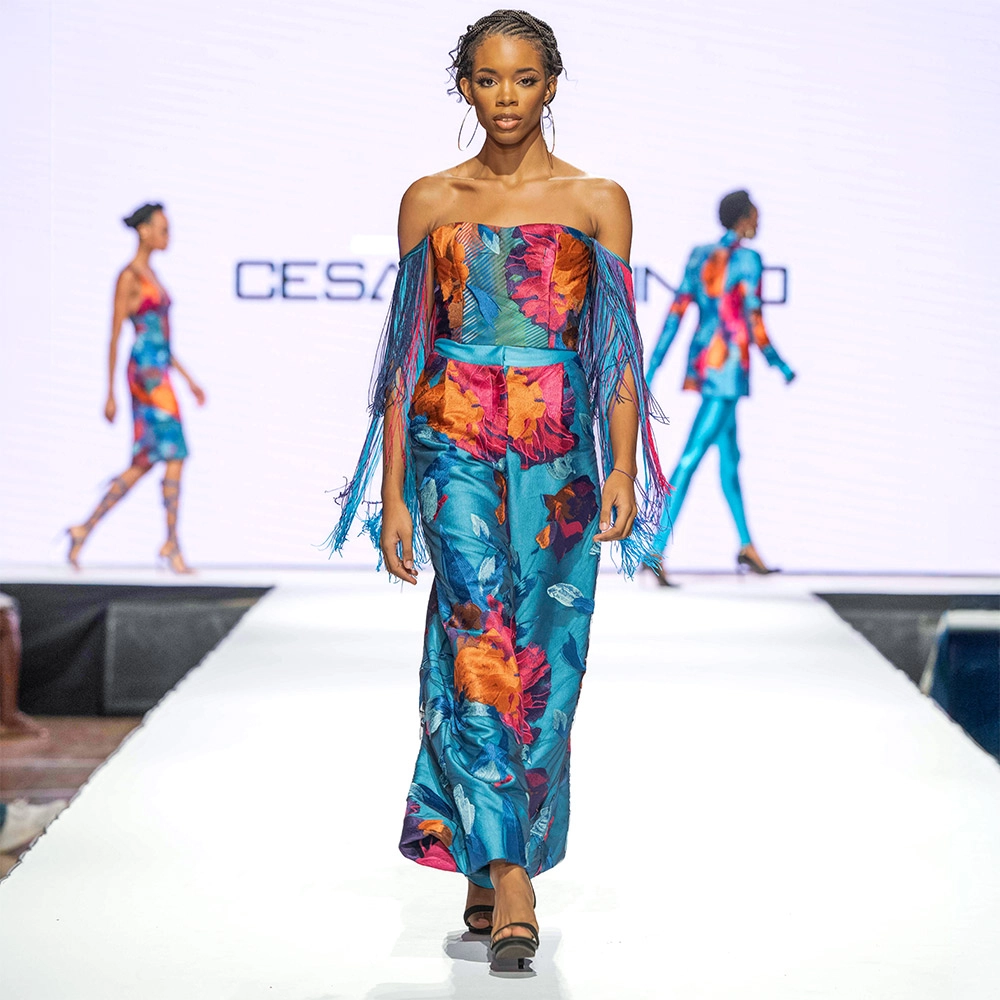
512	24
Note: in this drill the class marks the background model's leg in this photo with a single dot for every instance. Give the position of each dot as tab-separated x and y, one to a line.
171	550
729	471
710	418
116	490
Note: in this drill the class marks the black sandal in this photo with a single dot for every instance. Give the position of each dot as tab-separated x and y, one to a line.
515	947
473	911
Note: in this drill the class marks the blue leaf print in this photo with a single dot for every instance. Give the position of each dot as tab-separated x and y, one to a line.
513	840
421	793
572	597
491	240
541	825
486	570
465	808
487	306
437	712
561	468
429	499
560	722
492	764
572	654
480	527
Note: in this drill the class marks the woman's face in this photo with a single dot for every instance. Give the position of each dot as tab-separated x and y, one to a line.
508	88
156	232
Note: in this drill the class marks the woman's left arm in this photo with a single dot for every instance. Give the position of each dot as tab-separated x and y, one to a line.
196	390
752	305
613	230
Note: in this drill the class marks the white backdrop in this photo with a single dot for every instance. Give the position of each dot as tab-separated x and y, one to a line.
866	132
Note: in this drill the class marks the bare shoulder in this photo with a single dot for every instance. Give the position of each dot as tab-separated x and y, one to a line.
604	191
422	206
128	282
610	212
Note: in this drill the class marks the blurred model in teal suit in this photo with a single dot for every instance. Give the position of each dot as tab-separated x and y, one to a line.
724	279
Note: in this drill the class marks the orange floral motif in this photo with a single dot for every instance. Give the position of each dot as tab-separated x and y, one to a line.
540	410
713	273
436	828
451	271
501	483
717	352
486	671
452	400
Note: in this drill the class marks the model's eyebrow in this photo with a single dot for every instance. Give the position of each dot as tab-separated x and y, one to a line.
523	69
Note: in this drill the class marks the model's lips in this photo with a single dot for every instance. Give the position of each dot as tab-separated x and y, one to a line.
506	122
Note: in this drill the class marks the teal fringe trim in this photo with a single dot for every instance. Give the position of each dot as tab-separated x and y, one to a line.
399	361
610	344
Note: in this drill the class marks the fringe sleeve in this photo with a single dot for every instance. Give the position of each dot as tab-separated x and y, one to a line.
398	364
610	345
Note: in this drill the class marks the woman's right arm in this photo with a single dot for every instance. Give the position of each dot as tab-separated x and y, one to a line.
416	218
125	292
683	298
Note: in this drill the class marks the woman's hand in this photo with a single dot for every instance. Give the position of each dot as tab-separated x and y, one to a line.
618	492
197	392
397	530
110	409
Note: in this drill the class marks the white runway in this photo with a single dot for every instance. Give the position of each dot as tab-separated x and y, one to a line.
762	808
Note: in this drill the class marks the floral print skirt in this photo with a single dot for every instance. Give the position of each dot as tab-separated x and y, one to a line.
503	448
158	435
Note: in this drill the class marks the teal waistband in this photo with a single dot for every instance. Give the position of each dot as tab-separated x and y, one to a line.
505	357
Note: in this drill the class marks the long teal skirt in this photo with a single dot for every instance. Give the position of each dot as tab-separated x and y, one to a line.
503	448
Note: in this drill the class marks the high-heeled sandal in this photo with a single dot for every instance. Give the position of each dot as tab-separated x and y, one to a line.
75	545
473	911
660	572
515	947
745	561
170	556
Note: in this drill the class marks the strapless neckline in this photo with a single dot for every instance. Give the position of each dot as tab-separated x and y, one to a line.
508	229
523	225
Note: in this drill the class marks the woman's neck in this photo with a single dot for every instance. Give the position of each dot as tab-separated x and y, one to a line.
512	165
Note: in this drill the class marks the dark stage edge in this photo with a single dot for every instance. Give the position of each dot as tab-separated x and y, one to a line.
114	649
902	627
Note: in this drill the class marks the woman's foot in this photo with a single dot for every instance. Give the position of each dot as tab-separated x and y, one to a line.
77	536
514	906
479	903
171	555
19	724
657	567
747	557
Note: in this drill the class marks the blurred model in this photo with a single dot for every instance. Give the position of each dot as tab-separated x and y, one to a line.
724	278
159	436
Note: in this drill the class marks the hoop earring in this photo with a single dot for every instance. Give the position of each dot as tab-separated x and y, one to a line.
552	125
461	129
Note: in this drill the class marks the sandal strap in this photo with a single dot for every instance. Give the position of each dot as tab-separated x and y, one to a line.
514	923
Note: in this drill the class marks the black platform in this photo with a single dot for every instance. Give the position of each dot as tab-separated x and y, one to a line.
94	649
902	627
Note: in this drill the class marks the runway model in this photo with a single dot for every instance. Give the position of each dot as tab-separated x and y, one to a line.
159	436
724	278
511	346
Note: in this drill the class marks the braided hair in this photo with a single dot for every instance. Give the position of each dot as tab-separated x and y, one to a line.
142	215
511	24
